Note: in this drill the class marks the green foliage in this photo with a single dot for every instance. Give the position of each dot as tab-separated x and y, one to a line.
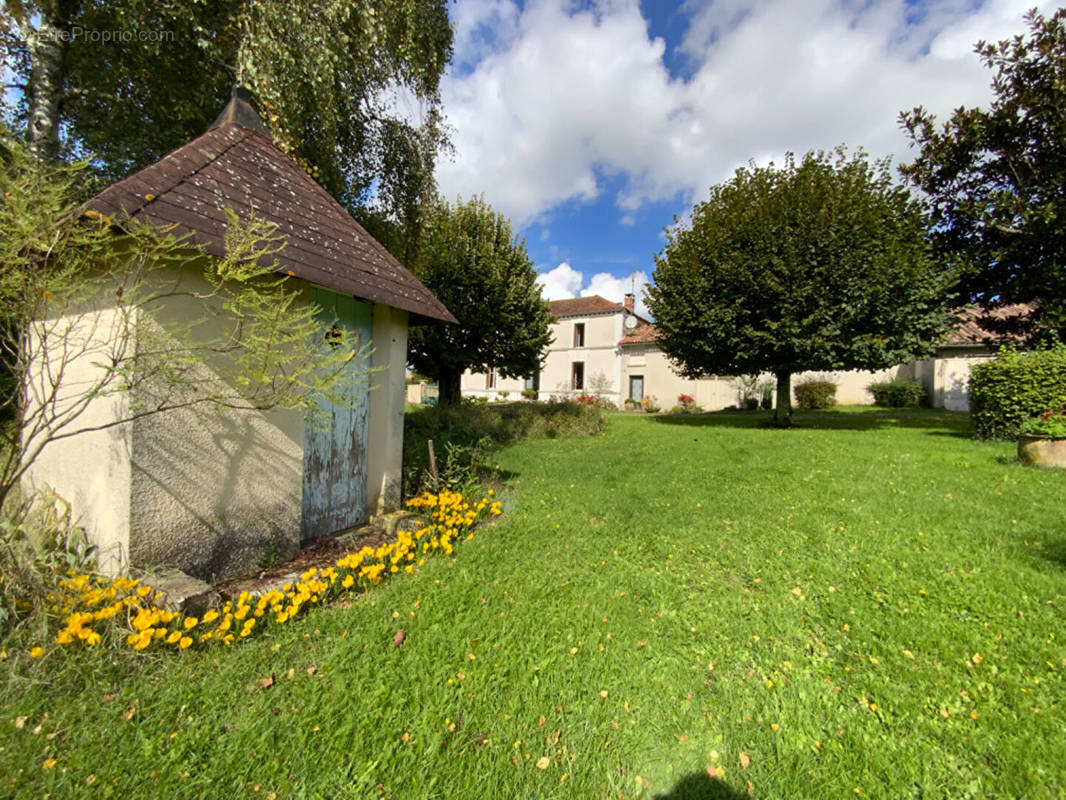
1013	387
813	393
816	265
74	290
897	393
995	176
325	73
469	257
38	544
530	394
464	435
1050	424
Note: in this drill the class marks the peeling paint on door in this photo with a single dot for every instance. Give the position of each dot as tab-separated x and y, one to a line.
335	443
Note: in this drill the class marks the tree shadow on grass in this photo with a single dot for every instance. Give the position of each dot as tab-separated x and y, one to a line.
935	422
701	786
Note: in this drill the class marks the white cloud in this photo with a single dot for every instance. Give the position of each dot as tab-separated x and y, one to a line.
560	283
548	101
564	282
615	289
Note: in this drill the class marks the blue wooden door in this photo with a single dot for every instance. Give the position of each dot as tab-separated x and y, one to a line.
335	438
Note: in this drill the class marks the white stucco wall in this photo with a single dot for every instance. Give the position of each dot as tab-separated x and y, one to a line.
946	378
600	354
90	471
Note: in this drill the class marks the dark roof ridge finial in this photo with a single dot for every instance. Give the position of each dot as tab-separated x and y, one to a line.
239	111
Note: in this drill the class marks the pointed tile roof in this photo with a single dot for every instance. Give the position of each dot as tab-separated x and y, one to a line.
235	165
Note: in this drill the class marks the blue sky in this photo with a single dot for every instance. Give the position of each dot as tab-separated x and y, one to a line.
592	124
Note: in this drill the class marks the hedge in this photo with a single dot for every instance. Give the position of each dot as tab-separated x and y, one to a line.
1014	386
814	393
897	393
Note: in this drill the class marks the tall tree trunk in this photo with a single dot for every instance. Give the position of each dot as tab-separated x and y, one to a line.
783	411
47	44
448	393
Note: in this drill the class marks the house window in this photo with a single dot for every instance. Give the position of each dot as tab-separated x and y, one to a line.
533	382
579	334
577	375
490	379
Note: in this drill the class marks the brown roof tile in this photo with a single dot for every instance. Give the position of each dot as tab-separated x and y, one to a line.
642	334
579	306
969	331
233	166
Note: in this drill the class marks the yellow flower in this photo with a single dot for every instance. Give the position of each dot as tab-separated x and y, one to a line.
211	616
174	637
184	642
36	652
190	623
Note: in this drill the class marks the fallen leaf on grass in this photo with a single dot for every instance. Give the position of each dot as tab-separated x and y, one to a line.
745	762
130	714
312	670
266	682
397	640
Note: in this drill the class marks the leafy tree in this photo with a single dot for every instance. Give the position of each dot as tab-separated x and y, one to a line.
329	76
469	257
997	177
79	303
819	265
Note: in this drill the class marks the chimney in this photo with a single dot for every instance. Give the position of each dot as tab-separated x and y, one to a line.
628	302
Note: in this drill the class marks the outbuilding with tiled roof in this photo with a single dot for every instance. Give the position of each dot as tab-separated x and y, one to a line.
213	494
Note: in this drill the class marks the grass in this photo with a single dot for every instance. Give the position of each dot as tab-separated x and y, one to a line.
868	605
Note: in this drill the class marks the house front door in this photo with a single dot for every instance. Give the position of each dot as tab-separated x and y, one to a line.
335	435
636	387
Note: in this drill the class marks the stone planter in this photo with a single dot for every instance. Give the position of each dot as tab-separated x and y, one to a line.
1042	452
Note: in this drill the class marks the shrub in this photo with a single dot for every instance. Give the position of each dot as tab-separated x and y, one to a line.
463	436
650	404
1013	386
687	403
815	393
529	394
630	404
38	545
897	393
750	403
1051	424
766	390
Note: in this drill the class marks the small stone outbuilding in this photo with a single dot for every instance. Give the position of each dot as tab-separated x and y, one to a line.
218	493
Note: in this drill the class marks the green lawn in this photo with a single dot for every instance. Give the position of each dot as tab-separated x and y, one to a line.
868	605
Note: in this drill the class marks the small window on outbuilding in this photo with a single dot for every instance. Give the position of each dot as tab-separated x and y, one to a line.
577	375
490	379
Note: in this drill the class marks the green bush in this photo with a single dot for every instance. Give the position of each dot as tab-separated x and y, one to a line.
1013	387
38	543
815	393
897	393
464	436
